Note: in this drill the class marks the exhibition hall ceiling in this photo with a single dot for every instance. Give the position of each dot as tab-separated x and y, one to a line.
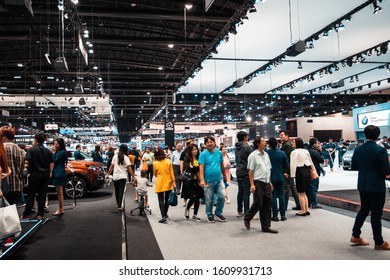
162	60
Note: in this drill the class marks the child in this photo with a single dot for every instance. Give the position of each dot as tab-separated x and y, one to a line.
141	187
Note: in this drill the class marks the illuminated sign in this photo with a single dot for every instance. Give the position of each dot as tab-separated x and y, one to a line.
51	126
379	118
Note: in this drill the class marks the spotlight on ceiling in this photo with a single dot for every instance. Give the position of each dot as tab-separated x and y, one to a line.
253	10
377	9
383	48
300	65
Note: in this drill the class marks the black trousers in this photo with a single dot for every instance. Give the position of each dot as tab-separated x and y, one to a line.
176	172
150	173
119	191
374	202
163	202
262	202
37	184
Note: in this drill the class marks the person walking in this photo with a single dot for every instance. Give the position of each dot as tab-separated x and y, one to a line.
165	182
40	168
317	157
120	164
147	158
279	164
175	158
300	166
191	188
372	163
259	166
242	152
289	187
212	171
60	159
226	165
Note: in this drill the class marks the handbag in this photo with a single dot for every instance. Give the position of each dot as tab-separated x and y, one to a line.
172	200
186	176
9	220
145	166
313	173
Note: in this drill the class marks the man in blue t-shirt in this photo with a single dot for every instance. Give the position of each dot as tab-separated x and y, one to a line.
211	171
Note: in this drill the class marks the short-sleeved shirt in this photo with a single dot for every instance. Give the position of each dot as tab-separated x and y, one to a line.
260	165
39	159
120	170
175	157
212	165
149	157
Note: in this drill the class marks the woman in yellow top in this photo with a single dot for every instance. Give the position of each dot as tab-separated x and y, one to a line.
165	181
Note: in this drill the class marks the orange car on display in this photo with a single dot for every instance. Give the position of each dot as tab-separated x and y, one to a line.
83	176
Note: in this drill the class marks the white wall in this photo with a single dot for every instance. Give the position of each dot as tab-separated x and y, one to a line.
337	122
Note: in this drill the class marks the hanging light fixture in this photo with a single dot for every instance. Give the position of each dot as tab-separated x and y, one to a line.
377	8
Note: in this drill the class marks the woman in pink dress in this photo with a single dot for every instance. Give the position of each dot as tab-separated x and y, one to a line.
226	164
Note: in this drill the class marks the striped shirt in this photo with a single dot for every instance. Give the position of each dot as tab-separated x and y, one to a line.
15	156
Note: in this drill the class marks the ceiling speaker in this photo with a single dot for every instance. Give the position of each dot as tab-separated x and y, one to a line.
82	101
297	48
60	64
337	84
78	88
238	83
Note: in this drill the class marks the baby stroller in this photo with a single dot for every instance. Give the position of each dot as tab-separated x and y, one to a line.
141	204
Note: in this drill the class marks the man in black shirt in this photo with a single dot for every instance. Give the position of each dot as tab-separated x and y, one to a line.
40	168
287	147
242	152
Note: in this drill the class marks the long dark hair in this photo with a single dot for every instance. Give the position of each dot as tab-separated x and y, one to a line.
160	154
123	149
61	143
189	152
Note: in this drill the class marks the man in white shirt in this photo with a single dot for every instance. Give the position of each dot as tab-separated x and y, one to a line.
175	158
259	166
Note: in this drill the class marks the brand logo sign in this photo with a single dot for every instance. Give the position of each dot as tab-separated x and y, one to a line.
169	126
379	118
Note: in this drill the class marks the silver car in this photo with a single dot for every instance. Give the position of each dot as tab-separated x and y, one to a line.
347	157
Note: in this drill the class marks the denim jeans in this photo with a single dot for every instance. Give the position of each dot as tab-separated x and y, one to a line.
214	188
243	193
278	193
314	185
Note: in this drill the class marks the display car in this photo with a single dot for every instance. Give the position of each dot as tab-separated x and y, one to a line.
231	152
347	157
82	177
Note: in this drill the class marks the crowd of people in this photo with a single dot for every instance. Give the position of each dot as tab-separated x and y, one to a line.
271	171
